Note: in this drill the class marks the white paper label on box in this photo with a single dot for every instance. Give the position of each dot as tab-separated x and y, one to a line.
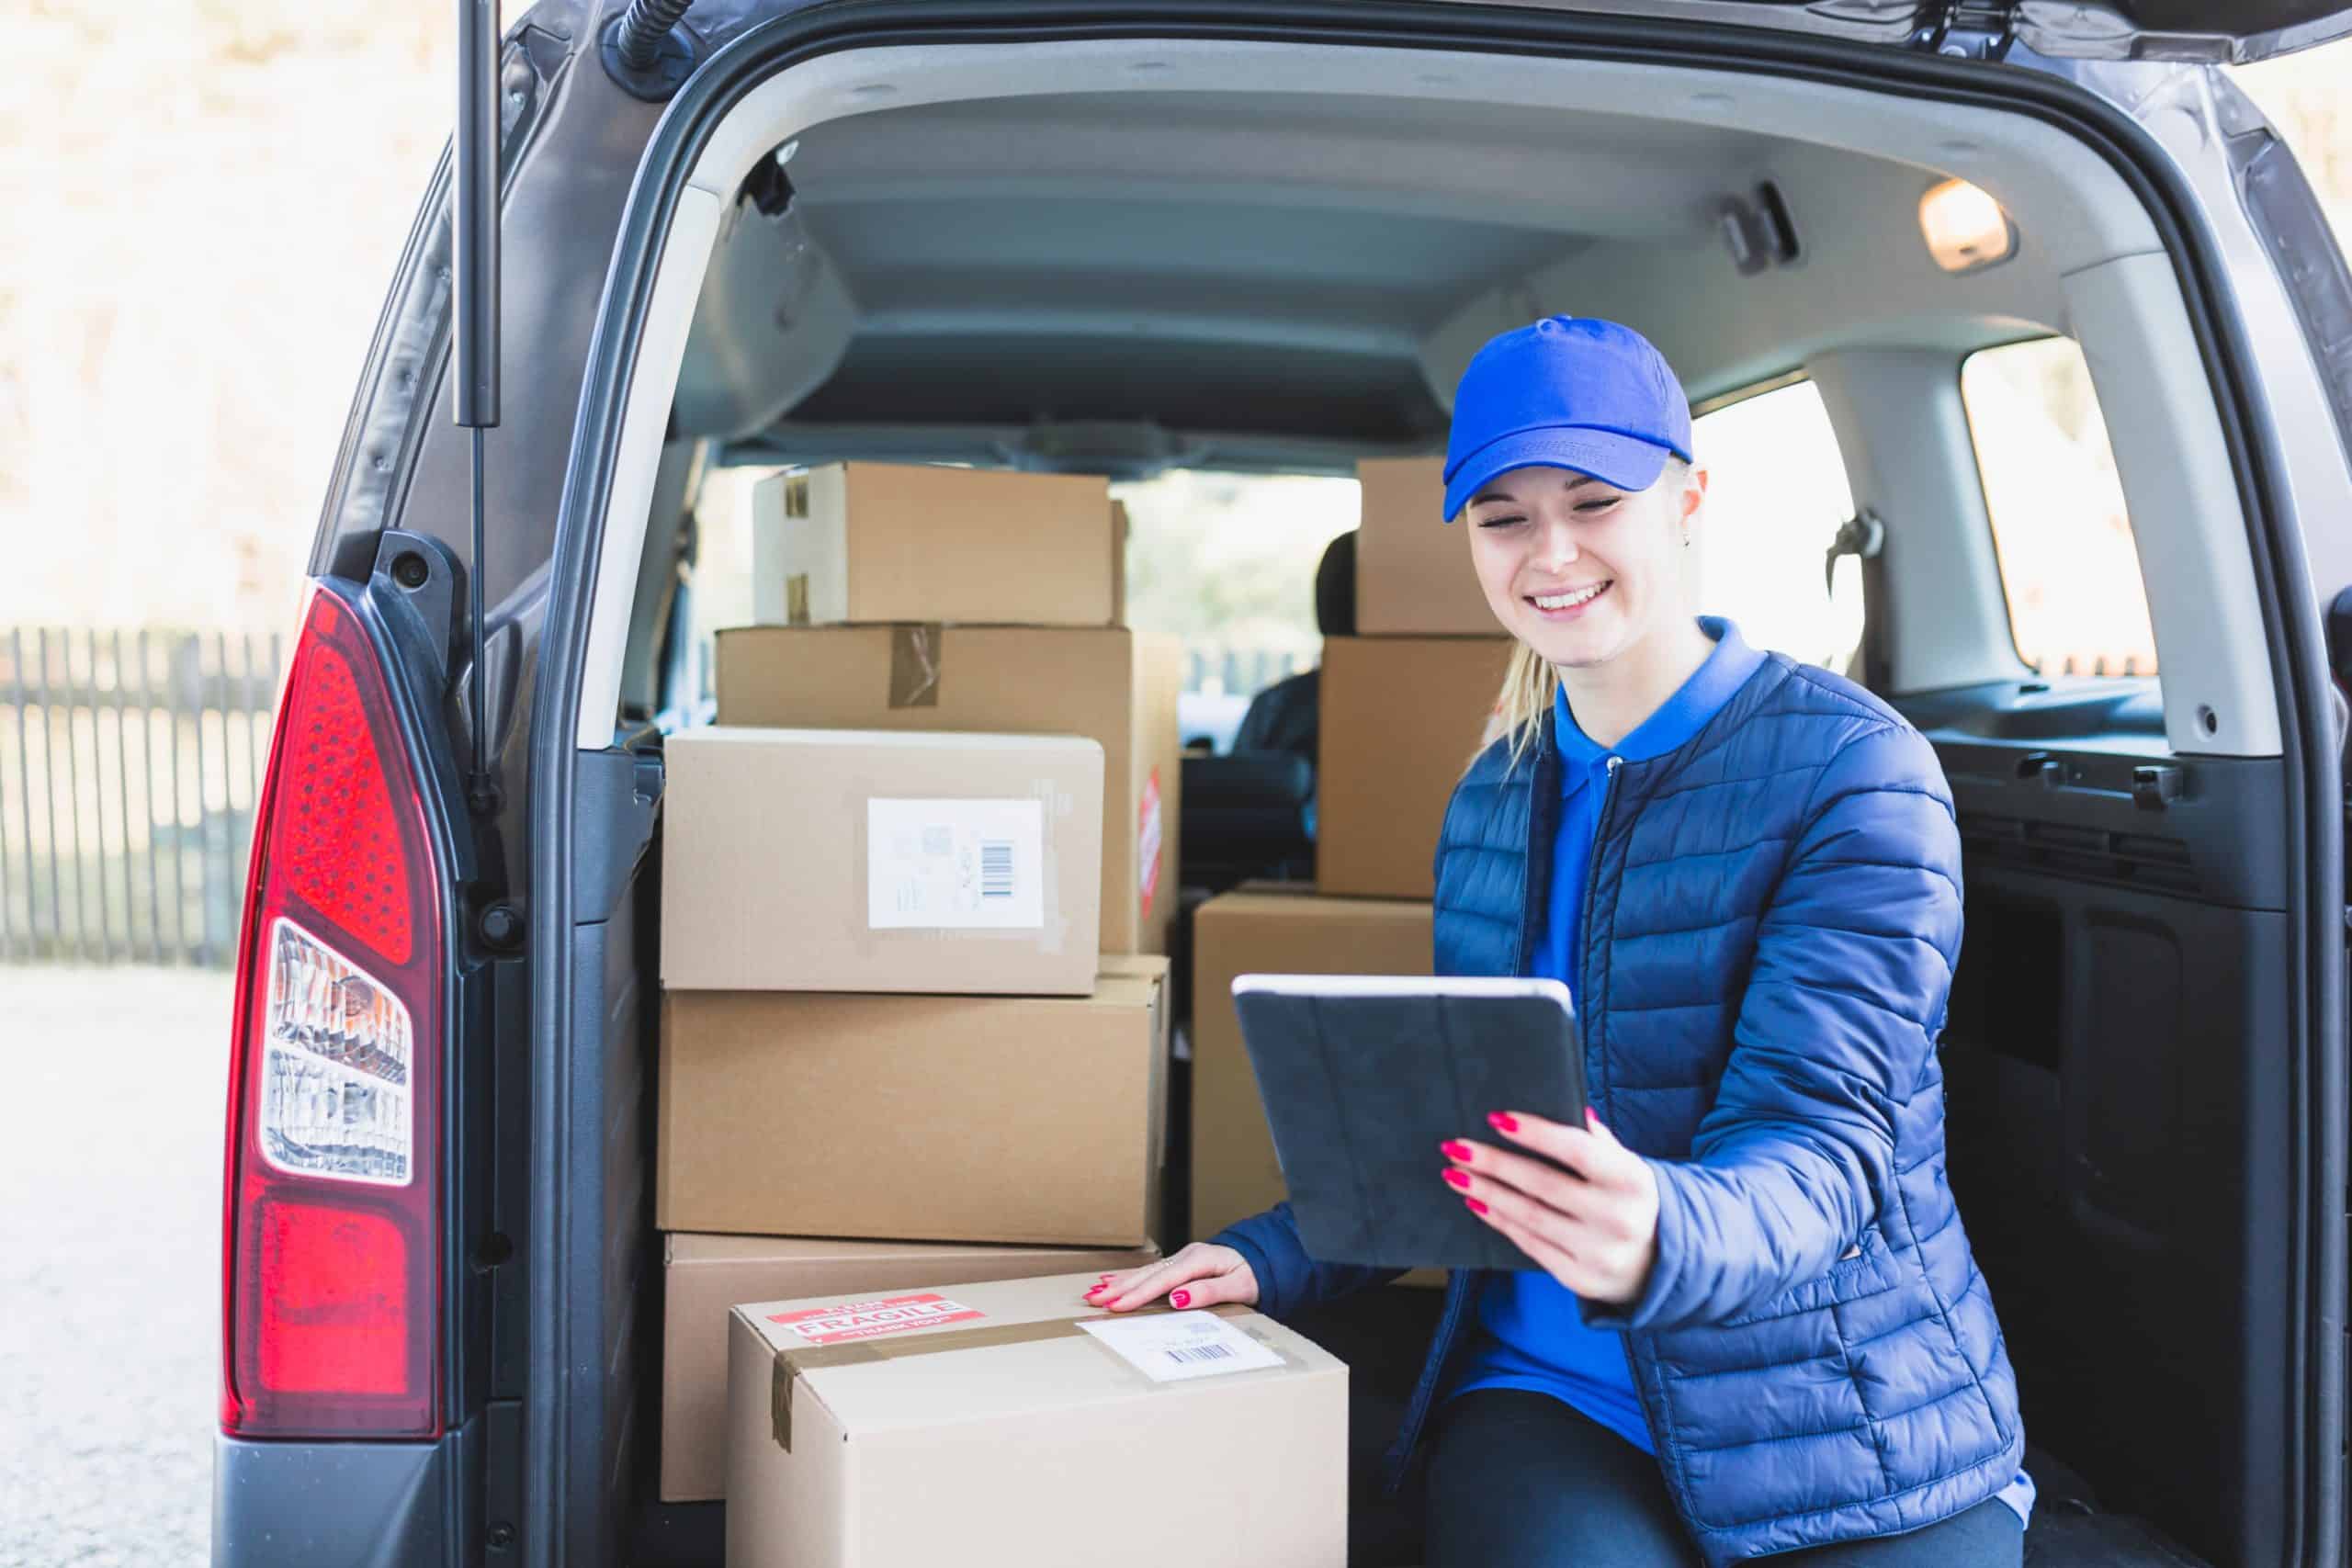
955	864
1179	1346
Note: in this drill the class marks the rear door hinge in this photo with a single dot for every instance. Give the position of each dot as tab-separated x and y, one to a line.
1969	29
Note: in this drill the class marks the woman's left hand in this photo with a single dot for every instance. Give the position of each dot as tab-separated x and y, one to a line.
1592	1225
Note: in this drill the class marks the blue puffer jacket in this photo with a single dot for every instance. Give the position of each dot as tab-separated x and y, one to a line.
1773	914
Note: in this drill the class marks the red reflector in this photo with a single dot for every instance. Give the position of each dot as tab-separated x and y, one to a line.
335	841
333	1300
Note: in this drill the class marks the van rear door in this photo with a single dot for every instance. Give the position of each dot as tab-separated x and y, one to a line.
2209	32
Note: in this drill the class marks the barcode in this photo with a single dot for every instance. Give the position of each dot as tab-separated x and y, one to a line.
1202	1353
996	868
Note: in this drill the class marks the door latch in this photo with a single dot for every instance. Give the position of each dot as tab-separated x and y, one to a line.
2155	786
1969	29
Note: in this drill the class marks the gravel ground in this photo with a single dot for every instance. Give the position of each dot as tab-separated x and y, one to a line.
111	1137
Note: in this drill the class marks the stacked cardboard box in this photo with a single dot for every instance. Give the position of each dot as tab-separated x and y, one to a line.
1113	686
1407	701
1006	1423
1280	928
914	1030
705	1276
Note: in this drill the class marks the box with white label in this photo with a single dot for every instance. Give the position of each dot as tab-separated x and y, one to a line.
704	1276
1009	1422
842	860
1040	1120
1113	685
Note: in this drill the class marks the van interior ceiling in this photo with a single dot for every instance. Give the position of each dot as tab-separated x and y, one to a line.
1124	258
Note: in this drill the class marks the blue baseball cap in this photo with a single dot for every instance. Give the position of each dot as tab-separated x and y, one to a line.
1565	392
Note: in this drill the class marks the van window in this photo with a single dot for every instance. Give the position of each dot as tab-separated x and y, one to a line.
1776	497
2069	566
1225	563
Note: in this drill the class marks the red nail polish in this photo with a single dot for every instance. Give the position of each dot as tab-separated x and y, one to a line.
1451	1149
1504	1121
1592	1116
1180	1299
1459	1178
1475	1206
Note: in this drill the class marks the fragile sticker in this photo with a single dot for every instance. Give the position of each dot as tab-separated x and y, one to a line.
1147	845
869	1320
1178	1346
955	864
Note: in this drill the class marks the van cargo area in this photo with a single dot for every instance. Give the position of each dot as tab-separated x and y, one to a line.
1215	265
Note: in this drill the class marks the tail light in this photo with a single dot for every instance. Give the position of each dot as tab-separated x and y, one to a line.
331	1261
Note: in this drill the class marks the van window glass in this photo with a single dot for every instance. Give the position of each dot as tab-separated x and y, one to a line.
2069	566
1776	497
1224	562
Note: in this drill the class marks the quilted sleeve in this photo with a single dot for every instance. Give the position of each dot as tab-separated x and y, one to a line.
1852	970
1289	1281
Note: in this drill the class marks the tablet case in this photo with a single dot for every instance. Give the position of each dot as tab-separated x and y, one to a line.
1362	1078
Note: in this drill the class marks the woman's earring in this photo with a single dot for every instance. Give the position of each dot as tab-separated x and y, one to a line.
1686	538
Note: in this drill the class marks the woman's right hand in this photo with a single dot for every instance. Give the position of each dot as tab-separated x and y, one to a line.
1201	1275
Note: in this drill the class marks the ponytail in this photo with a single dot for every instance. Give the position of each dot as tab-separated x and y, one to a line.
1529	686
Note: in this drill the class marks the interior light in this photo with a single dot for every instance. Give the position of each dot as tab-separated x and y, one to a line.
1964	227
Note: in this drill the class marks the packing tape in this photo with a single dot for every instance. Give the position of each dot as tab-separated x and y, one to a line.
915	656
793	1363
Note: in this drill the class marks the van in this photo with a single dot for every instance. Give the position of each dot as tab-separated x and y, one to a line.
2043	280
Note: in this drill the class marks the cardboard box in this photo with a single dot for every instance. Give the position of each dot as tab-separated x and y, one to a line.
881	542
1401	719
703	1276
1119	530
1016	1119
1235	1173
1116	687
840	859
1413	571
1008	1423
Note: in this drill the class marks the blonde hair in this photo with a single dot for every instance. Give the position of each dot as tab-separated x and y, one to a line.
1531	682
1530	686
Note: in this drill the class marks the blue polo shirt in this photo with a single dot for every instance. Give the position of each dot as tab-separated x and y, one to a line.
1534	1337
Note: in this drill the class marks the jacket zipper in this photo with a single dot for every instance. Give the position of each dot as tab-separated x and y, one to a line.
1592	875
1584	1013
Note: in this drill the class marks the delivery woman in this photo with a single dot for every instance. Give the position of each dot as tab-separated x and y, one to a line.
1752	1324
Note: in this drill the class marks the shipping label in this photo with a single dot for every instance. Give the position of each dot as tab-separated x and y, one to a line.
955	864
868	1320
1178	1346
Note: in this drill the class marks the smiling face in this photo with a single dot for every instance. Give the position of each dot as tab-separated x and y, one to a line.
1580	570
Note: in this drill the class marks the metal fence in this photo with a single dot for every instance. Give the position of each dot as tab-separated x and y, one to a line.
130	760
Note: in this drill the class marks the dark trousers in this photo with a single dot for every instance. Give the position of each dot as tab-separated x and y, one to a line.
1519	1480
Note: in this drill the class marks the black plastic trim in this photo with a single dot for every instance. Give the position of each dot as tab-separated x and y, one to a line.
299	1505
2290	612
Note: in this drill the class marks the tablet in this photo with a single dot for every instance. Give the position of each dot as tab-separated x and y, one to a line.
1362	1078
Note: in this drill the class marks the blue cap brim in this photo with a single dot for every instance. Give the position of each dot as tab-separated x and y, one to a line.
1626	461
